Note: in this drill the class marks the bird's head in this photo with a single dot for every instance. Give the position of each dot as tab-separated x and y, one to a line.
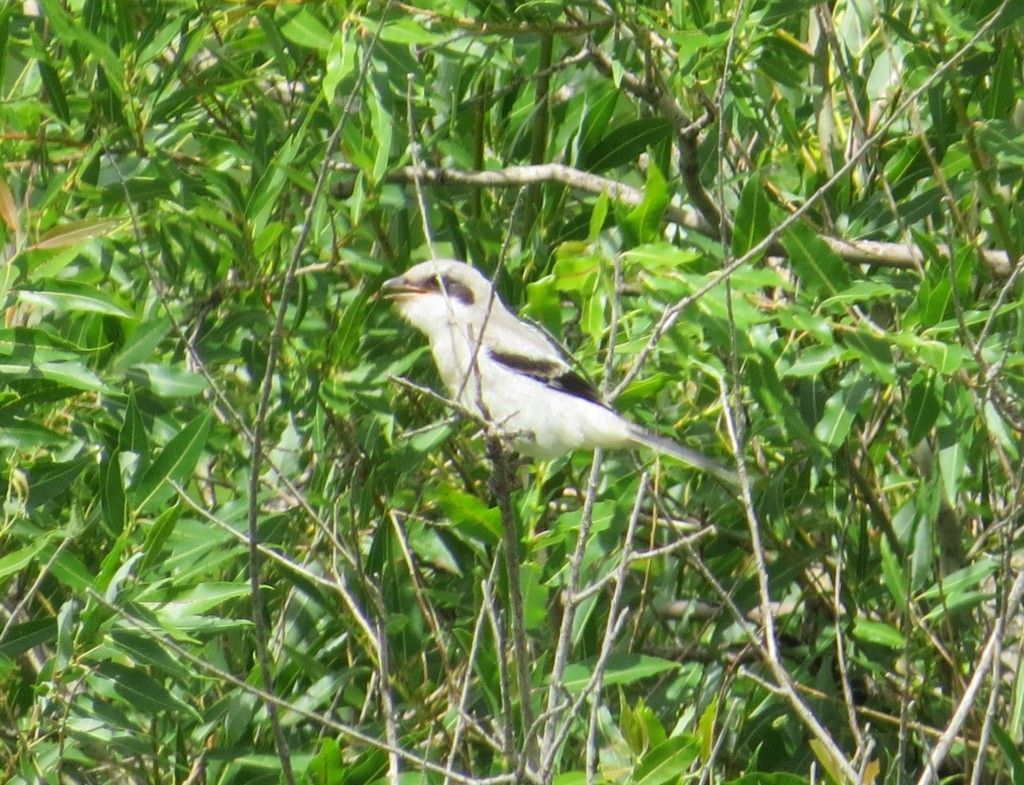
439	292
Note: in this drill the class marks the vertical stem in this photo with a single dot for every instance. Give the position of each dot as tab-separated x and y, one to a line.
539	142
520	646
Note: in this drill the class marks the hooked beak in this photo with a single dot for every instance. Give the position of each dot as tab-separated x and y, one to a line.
399	289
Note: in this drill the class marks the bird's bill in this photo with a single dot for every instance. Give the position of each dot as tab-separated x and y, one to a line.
399	289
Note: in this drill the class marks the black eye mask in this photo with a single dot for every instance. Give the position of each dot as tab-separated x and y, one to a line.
455	289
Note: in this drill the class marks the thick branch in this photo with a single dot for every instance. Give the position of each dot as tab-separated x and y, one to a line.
871	252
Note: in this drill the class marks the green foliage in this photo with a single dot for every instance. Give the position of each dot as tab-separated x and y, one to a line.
199	204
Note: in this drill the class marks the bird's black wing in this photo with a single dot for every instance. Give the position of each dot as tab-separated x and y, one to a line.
553	374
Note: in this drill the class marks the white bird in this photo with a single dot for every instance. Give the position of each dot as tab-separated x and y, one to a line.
509	374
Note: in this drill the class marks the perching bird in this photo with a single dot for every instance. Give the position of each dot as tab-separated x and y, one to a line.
510	374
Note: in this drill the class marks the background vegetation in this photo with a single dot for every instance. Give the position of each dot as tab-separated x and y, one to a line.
202	393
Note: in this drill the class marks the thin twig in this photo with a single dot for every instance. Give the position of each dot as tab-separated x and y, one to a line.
275	343
502	477
351	734
467	679
930	772
564	642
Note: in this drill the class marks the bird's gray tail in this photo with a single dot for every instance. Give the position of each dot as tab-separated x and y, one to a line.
687	456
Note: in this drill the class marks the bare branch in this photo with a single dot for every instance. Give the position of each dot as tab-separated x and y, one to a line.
870	252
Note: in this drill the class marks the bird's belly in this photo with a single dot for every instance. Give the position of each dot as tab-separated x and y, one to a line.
538	420
545	423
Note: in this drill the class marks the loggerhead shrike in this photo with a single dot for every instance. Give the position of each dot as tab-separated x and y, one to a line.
510	374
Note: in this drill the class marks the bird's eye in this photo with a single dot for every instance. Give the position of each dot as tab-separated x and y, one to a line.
431	283
451	287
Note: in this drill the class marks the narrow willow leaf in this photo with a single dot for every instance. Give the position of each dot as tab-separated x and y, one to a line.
302	27
339	63
598	217
667	761
138	690
870	631
48	480
22	637
71	30
821	271
706	729
112	497
169	381
752	220
595	121
17	561
161	529
644	220
70	234
841	411
893	573
923	406
1011	753
619	669
953	441
874	354
177	460
623	145
769	390
71	297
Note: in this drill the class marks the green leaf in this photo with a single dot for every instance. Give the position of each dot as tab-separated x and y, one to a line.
70	373
142	343
752	220
176	461
619	669
328	766
339	64
595	121
644	220
300	26
952	442
812	361
625	144
706	729
471	521
821	271
1011	753
641	728
169	381
47	480
667	761
841	410
766	387
147	651
22	637
72	233
66	296
71	30
161	529
870	631
17	561
962	581
923	405
893	573
874	354
138	690
598	216
769	778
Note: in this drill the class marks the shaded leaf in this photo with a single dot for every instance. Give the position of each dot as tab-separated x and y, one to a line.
821	272
625	143
752	221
